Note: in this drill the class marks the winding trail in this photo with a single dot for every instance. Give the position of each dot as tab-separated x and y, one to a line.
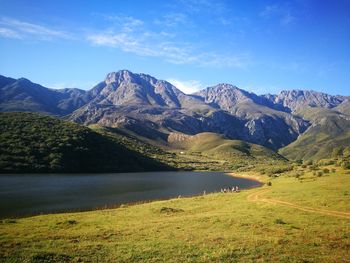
257	197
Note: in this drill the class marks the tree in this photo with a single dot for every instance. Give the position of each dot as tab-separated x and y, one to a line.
337	152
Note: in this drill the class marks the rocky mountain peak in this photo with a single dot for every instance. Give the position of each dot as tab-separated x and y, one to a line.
119	76
295	99
225	96
225	86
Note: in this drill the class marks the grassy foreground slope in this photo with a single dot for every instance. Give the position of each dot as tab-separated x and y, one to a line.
234	227
328	131
35	143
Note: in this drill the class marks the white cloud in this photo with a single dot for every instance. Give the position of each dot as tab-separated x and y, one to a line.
186	86
131	35
153	45
21	29
8	33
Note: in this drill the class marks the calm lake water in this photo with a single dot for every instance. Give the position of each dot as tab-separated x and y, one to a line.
44	193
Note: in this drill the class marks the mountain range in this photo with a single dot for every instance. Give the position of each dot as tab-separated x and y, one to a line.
153	109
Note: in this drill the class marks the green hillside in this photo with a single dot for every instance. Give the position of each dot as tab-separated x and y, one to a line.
329	130
215	146
34	143
344	107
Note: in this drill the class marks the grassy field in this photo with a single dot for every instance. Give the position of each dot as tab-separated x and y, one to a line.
257	225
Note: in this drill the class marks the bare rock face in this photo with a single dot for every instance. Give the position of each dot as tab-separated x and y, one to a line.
296	99
126	88
177	137
263	123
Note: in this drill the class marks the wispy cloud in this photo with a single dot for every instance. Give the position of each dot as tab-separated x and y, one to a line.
131	35
14	28
282	12
186	86
196	6
217	11
173	20
8	33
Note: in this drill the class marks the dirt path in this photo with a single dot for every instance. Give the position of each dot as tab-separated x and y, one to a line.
257	197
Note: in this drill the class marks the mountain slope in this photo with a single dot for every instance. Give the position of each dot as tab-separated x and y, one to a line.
23	95
124	88
152	109
329	130
34	143
258	114
344	107
294	100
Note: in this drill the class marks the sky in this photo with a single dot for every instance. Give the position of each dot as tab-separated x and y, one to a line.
260	46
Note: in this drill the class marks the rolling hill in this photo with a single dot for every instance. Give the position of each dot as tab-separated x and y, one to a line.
217	146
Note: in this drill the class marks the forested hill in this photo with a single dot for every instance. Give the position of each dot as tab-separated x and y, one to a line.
31	142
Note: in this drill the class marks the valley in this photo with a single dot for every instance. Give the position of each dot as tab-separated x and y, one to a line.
82	147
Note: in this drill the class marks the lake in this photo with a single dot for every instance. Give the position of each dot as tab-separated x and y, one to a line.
44	193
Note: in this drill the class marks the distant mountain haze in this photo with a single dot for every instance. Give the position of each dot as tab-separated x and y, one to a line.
153	108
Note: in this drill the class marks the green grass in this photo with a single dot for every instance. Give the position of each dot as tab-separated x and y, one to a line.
214	227
232	154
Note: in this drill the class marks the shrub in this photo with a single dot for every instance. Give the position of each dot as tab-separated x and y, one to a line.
308	162
345	164
278	169
279	221
326	162
319	173
346	152
314	167
337	151
326	171
299	161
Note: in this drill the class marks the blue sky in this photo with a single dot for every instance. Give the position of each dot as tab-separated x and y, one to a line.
260	46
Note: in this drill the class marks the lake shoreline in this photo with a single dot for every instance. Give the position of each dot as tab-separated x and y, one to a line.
117	205
248	176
